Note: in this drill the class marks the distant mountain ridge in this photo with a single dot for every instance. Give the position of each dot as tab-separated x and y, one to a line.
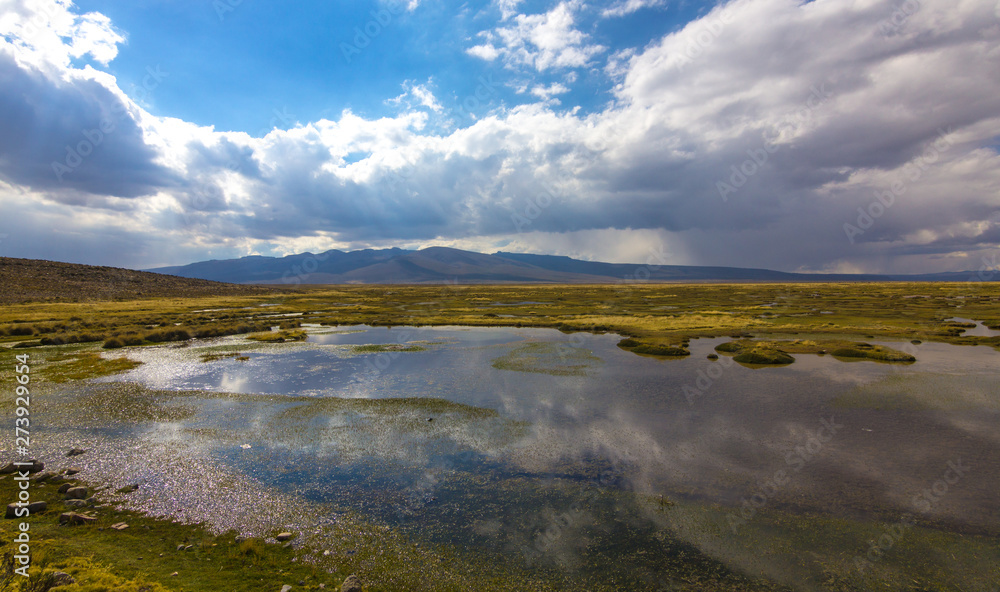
443	264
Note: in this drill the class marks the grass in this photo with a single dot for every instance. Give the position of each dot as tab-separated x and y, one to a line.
144	556
660	316
776	352
655	318
278	336
873	352
374	348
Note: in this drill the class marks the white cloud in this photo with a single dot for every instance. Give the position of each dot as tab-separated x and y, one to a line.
540	41
547	92
419	93
641	173
626	7
508	8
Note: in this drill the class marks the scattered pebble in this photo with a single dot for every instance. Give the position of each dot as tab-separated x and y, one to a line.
351	584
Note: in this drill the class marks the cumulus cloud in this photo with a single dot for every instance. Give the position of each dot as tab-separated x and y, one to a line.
419	93
540	41
752	136
626	7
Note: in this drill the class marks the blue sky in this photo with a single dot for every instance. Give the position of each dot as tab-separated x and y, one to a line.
823	136
250	65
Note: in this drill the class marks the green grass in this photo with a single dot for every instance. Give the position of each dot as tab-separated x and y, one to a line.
661	316
279	336
374	348
143	556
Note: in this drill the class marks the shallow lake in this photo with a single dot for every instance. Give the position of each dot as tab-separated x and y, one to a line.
562	452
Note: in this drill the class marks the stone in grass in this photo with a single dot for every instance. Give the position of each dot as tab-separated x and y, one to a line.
61	578
75	452
286	588
42	478
351	584
119	526
76	493
33	508
72	471
30	466
75	518
65	487
75	503
285	536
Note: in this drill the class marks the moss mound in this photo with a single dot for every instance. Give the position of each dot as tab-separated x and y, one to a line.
873	352
652	349
764	356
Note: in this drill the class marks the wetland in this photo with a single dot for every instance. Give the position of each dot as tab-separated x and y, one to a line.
593	437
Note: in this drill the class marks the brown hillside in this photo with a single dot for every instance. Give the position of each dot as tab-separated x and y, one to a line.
32	280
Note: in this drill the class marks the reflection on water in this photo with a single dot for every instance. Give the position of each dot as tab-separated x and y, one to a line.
581	470
980	330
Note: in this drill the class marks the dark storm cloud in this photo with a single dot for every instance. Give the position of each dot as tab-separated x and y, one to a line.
71	137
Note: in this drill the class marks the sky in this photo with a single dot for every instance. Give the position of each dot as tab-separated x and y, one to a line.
823	136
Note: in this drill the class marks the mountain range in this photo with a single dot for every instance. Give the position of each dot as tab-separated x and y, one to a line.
443	264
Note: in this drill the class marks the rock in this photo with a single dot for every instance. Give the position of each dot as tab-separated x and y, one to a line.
44	477
75	452
61	578
351	584
29	466
326	553
72	471
287	546
285	536
74	518
180	547
174	574
713	356
33	508
76	493
65	487
286	588
129	488
75	503
119	526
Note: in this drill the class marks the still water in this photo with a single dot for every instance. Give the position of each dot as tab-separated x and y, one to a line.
565	452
